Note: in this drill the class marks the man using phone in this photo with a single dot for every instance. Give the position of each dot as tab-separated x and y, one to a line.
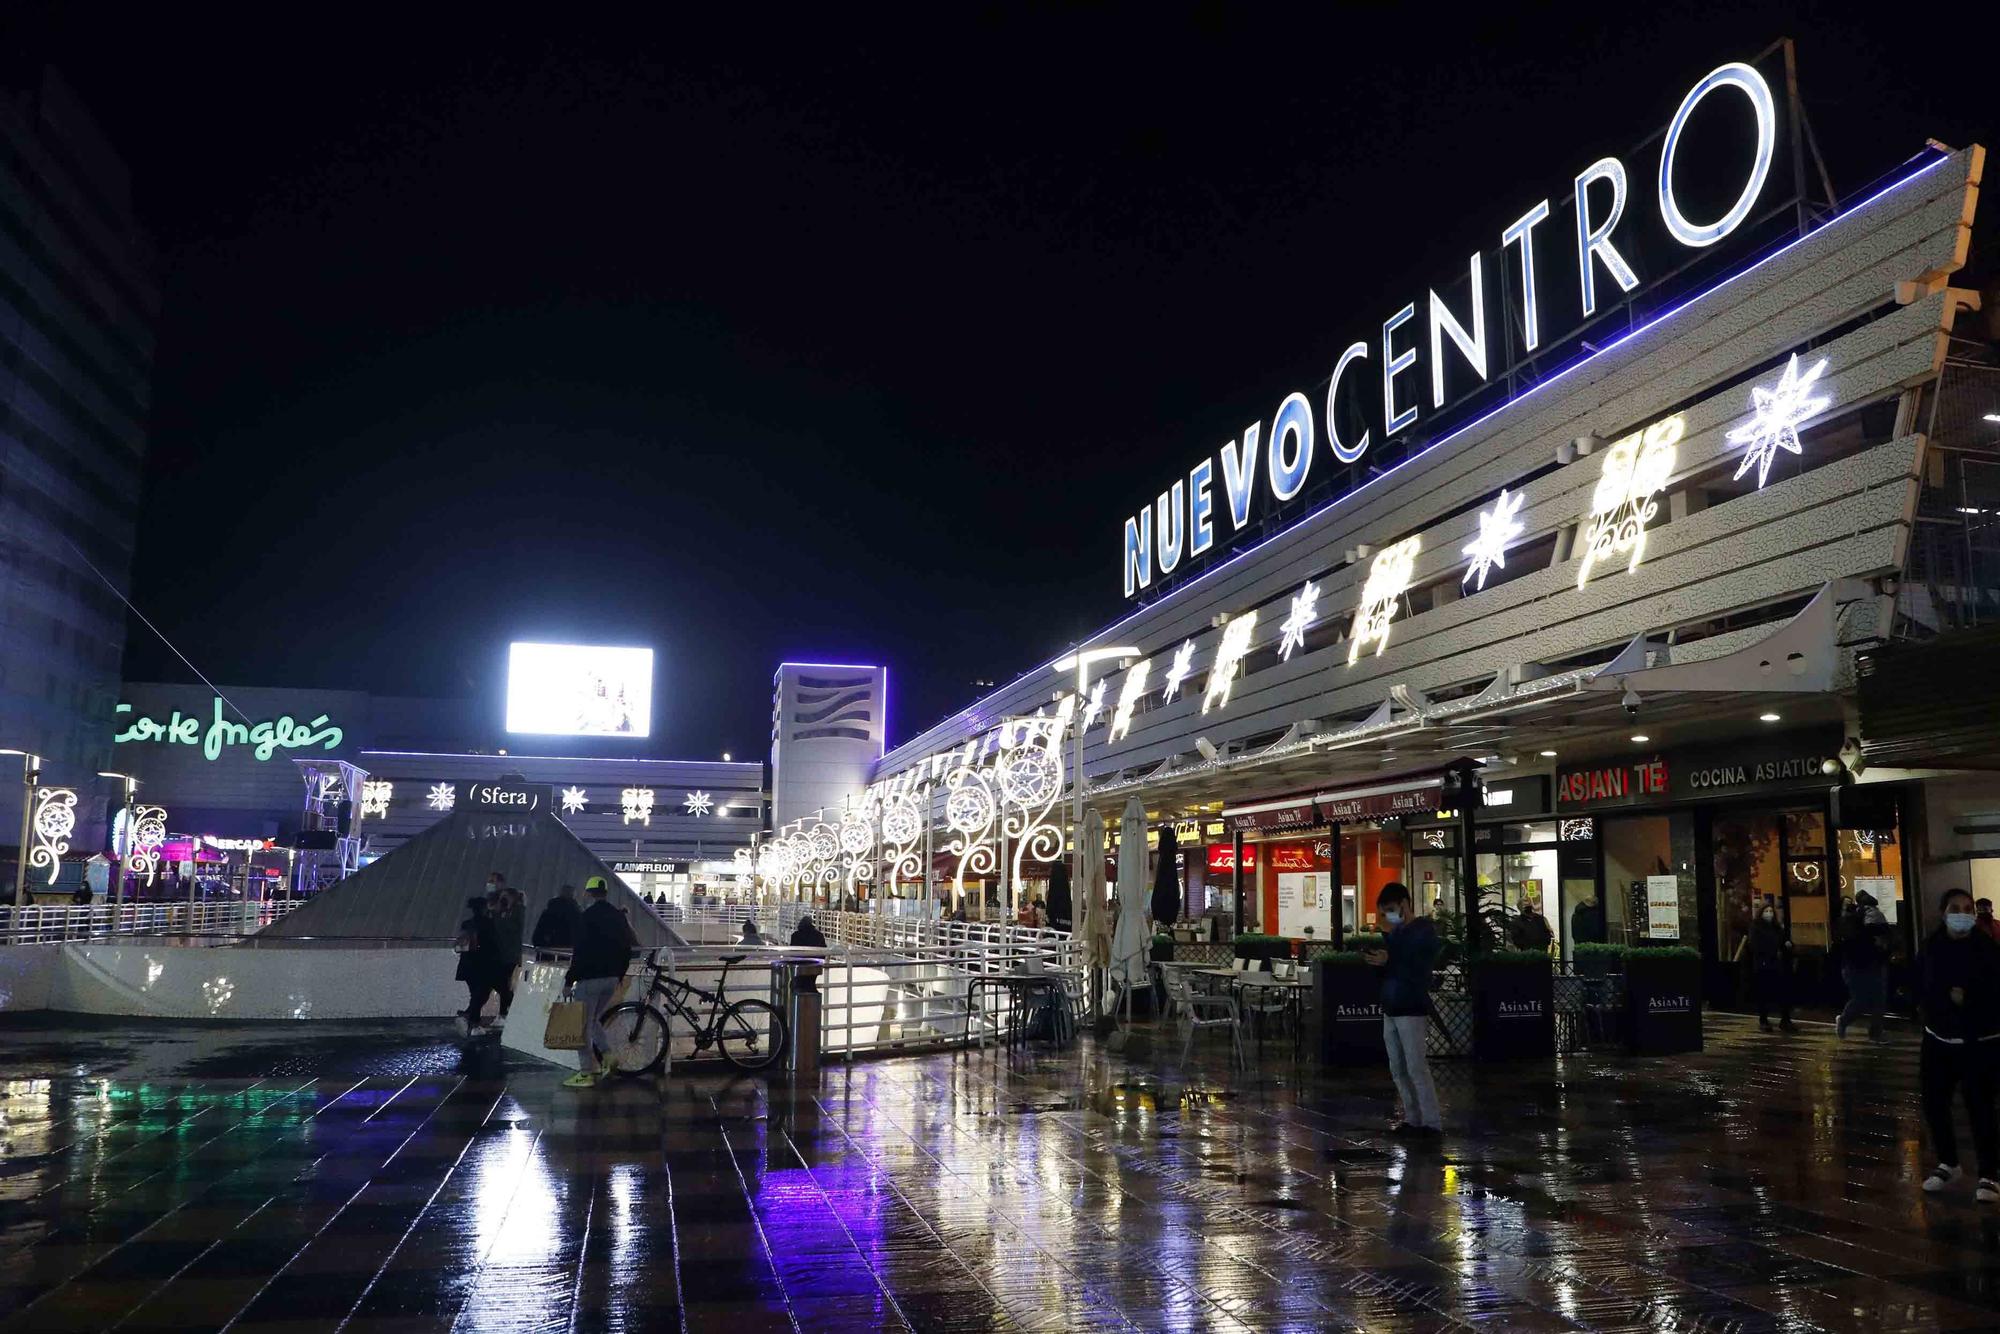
1406	964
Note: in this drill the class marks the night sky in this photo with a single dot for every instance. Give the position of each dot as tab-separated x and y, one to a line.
784	341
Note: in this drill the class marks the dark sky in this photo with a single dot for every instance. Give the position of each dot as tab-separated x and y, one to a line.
786	340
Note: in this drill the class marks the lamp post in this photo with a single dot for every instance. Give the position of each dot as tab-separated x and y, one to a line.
31	777
122	854
1082	662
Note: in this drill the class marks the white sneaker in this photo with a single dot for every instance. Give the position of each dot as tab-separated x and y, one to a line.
1986	1192
1941	1176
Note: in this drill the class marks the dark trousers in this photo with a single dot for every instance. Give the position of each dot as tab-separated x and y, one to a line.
1770	987
476	996
504	984
1961	1067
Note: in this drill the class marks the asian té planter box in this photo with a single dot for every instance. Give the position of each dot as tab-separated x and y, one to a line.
1662	1000
1349	994
1513	1006
1263	948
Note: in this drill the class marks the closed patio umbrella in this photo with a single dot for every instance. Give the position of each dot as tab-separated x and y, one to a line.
1061	907
1093	915
1167	881
1129	944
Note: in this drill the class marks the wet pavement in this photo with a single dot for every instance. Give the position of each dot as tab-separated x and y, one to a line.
346	1176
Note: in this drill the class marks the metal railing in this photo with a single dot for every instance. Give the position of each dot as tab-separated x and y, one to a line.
48	924
887	984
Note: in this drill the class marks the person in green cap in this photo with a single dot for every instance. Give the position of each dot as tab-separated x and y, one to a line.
597	964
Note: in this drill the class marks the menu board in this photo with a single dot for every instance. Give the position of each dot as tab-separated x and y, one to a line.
1663	907
1305	899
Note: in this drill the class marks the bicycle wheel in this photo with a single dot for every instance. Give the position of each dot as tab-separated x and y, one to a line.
750	1034
638	1035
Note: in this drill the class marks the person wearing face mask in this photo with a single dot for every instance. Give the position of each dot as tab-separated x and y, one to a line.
1406	964
1771	968
1960	994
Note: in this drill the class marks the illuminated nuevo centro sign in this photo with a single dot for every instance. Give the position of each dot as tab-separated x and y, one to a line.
1377	382
264	739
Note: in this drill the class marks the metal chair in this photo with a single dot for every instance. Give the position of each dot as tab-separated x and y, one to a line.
1197	1009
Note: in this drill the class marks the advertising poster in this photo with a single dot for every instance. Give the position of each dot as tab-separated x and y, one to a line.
1663	907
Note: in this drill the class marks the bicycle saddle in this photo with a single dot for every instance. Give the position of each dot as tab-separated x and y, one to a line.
732	958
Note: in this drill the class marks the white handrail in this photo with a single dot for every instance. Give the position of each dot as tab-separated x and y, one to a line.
48	924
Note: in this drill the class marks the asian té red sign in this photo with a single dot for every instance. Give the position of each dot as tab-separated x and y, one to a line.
1612	784
1280	856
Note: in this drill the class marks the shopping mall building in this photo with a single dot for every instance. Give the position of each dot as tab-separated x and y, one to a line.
1669	517
244	786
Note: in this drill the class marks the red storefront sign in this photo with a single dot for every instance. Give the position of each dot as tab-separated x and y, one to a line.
1611	784
1317	856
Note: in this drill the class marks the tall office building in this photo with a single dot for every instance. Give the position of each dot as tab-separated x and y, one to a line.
78	301
829	725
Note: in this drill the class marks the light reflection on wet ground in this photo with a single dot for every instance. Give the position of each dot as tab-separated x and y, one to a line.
368	1178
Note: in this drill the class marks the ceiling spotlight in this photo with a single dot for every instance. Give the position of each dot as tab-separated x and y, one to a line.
1767	717
1993	416
1642	738
1548	754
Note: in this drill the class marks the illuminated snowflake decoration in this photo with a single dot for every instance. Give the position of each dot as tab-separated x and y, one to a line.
1179	670
1029	776
443	796
1776	417
1093	707
375	795
1229	656
1129	696
824	842
1497	530
855	835
636	804
55	821
969	809
900	823
1388	579
574	799
1305	610
1626	497
698	804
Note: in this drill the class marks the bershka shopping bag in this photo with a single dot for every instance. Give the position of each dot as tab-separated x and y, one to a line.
564	1031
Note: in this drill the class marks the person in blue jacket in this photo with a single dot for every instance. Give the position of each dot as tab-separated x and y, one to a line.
1406	964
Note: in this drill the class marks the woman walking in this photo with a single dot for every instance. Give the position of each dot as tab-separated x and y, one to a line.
1961	1005
478	958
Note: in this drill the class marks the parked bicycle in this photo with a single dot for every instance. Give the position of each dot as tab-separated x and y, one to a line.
748	1033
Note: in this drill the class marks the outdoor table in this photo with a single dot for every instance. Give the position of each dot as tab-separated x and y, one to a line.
1021	989
1295	989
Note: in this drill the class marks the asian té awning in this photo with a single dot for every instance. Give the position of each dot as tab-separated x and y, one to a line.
1405	794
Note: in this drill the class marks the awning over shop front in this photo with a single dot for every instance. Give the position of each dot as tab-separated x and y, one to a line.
1292	812
1417	794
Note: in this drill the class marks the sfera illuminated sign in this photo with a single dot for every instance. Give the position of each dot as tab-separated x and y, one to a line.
483	795
264	739
1377	381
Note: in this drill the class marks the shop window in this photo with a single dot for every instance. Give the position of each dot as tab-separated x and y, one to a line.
1872	859
1640	855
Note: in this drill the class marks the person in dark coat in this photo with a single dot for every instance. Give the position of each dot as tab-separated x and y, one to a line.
1586	923
555	929
597	964
806	934
1960	995
1407	962
509	928
478	959
1530	930
1771	968
1864	965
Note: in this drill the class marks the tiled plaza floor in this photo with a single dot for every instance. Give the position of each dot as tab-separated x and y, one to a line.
331	1176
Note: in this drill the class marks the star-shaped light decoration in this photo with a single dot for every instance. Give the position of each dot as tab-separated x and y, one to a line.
1497	530
1129	696
1229	656
443	796
1776	417
574	799
1305	610
1093	707
1178	670
698	804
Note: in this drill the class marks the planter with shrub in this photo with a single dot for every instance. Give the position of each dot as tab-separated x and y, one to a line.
1349	994
1513	1005
1263	948
1662	999
1594	958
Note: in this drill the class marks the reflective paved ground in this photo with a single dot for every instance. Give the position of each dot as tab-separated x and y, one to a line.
338	1177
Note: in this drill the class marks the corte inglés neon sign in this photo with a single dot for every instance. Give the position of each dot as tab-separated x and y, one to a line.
265	739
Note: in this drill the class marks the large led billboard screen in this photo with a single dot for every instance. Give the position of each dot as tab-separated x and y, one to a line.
579	690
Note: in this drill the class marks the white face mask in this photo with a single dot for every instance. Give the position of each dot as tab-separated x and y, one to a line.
1392	917
1770	916
1959	923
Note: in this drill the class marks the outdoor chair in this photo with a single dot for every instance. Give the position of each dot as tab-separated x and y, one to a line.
1267	1004
1243	965
1199	1010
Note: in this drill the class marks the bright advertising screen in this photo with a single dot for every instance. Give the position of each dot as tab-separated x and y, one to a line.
579	690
